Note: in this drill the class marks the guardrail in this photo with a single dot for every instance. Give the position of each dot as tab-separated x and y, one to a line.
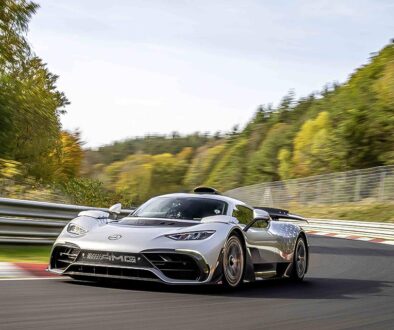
30	222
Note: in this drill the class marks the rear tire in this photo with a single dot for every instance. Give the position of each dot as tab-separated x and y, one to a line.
300	260
233	262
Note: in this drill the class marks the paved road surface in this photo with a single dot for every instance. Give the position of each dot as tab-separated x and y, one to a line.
350	286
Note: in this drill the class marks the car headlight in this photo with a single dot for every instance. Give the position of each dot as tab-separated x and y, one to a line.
73	228
191	236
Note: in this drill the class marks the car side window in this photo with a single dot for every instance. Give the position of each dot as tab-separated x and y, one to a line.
243	214
260	224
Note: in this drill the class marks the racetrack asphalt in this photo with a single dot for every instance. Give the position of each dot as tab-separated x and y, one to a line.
350	285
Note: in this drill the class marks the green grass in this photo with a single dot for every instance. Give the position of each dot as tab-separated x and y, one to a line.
25	253
360	212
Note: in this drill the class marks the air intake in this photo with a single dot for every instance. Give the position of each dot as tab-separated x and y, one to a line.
206	190
64	255
175	265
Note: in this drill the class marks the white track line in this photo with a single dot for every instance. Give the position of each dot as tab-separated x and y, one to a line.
32	278
388	242
9	269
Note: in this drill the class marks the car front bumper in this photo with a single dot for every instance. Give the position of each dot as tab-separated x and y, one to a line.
170	266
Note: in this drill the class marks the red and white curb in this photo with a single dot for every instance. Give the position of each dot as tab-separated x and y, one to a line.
374	232
352	237
20	270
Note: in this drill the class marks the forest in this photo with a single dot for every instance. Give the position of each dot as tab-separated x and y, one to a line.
342	127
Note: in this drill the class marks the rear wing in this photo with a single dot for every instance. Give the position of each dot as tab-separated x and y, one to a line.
277	214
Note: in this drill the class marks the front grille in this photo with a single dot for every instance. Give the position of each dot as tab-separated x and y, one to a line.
110	272
63	256
175	265
104	258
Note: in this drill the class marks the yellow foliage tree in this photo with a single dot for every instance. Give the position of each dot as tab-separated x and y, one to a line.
229	170
285	165
141	176
66	159
202	164
9	168
313	147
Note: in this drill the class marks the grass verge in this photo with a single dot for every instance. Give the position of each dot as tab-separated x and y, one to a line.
25	253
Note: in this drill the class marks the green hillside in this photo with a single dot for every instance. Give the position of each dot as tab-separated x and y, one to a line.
343	127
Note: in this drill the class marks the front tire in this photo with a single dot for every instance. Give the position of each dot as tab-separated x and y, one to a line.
233	262
300	260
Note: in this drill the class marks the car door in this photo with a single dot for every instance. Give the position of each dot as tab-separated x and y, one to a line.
262	244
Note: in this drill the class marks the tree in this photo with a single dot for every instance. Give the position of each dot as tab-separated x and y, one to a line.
285	165
68	156
14	19
263	164
35	118
202	164
30	104
14	50
229	169
314	147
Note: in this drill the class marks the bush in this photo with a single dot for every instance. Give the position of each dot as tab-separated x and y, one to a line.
84	191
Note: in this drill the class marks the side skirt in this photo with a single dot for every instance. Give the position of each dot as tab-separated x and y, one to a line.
271	270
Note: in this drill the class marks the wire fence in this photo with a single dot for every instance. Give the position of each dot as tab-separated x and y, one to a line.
372	185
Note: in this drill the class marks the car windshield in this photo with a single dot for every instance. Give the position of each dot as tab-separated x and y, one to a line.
187	208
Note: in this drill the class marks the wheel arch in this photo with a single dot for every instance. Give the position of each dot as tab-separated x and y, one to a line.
237	231
303	235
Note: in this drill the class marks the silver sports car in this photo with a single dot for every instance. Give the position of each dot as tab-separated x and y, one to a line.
186	238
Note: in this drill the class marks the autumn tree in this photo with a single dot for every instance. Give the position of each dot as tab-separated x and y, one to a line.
263	164
314	147
202	164
68	156
229	170
30	103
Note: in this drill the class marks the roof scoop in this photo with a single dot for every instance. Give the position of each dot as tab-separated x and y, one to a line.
206	190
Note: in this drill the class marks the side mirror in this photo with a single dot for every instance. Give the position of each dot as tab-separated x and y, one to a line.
258	215
261	215
116	208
